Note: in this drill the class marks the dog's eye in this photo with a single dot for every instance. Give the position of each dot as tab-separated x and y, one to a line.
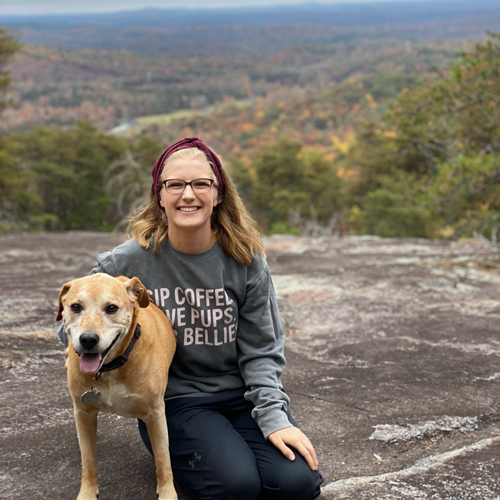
76	308
111	309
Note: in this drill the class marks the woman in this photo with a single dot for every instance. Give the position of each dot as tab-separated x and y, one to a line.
197	251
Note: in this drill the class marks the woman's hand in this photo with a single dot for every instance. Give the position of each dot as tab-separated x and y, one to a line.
294	437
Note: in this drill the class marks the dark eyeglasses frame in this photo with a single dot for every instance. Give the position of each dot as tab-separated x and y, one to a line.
186	183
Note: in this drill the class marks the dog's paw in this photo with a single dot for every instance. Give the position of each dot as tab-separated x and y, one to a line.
86	495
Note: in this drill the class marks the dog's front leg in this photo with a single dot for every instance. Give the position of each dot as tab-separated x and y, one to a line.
86	426
156	424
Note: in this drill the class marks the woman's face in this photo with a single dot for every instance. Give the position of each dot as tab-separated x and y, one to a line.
188	211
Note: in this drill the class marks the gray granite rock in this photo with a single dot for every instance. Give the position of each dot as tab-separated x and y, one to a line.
393	349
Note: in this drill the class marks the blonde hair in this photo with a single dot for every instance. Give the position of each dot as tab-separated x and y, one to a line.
233	226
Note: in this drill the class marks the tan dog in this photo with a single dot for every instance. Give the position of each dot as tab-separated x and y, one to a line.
101	314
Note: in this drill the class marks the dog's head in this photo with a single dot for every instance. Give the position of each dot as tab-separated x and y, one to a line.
98	311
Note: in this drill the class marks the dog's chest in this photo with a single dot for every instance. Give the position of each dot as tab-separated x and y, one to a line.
116	398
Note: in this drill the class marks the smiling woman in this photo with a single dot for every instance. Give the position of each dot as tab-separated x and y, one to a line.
196	250
189	197
225	218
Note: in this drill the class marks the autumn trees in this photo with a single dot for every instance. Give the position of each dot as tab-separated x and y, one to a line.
431	165
428	167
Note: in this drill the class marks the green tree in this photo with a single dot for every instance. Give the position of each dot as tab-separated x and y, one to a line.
128	178
394	209
286	187
465	196
18	201
66	174
59	179
279	183
13	195
8	47
324	188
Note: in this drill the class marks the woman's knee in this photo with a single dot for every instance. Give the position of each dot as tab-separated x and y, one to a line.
297	482
231	486
226	470
246	487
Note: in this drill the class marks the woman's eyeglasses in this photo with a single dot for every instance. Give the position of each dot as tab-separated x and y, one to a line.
177	186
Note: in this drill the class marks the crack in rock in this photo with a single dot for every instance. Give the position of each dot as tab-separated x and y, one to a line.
346	488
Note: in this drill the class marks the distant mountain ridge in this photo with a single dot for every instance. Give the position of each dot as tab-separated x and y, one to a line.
352	15
251	32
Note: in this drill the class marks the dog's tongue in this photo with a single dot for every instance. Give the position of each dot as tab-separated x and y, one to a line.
89	363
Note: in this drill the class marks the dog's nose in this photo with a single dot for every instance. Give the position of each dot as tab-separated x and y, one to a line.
89	340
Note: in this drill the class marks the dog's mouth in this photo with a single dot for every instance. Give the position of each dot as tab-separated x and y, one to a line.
91	362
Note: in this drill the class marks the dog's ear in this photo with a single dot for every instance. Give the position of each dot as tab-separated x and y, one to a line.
137	291
64	291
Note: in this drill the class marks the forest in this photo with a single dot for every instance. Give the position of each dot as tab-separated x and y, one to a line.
364	132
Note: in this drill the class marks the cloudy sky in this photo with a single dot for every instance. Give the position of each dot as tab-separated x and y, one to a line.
27	7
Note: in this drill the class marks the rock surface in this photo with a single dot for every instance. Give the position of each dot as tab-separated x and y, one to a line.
393	352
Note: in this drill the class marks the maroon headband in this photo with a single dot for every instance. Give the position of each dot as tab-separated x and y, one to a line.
190	142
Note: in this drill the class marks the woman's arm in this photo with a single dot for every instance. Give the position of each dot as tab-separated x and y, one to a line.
261	357
261	360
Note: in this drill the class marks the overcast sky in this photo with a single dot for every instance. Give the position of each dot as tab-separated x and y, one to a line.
27	7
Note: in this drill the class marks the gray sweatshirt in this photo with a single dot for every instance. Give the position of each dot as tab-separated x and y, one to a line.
225	317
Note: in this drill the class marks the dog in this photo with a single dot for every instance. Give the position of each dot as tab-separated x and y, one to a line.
119	352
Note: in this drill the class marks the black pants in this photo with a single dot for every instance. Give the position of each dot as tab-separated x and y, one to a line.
219	453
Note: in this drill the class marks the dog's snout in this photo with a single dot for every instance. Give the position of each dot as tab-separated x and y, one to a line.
89	340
